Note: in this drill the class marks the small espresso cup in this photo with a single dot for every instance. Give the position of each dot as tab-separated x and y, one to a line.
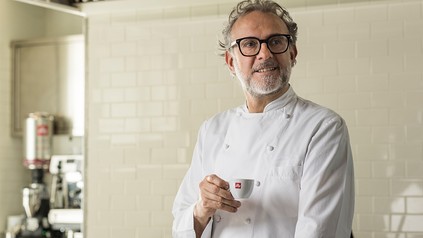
241	188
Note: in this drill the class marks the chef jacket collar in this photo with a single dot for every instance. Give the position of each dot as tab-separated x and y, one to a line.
276	104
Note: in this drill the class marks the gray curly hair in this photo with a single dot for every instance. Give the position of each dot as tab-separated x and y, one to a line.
266	6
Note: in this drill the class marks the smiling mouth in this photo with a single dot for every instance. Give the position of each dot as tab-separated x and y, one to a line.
266	70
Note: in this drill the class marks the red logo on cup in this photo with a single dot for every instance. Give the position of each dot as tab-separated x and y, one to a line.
238	185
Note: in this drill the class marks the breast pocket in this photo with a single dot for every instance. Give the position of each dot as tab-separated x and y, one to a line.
286	173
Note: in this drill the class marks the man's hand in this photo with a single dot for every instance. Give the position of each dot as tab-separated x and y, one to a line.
214	195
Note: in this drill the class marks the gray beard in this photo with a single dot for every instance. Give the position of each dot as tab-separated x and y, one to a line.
270	85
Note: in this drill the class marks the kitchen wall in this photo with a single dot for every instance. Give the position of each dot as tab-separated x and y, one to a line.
20	21
154	75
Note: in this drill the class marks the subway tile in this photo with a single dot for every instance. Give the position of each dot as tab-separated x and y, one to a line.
164	155
414	133
203	11
414	169
388	169
164	187
413	28
407	187
389	134
136	156
338	16
373	117
176	139
404	11
174	171
414	99
389	205
408	151
414	205
151	203
137	33
406	116
364	205
136	94
113	95
387	64
388	100
372	48
372	187
373	83
161	219
374	222
358	31
137	125
405	222
122	140
150	109
358	66
121	231
355	101
110	218
363	169
372	152
405	46
413	63
123	17
120	110
136	187
123	49
383	31
137	219
123	203
361	134
376	13
340	50
110	65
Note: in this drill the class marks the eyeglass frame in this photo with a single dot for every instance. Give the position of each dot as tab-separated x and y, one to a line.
237	42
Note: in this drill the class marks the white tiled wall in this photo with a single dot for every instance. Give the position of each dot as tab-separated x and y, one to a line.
154	76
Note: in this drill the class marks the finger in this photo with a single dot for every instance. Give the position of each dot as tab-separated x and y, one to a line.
216	180
219	199
221	205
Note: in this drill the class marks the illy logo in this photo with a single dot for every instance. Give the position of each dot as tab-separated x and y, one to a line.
237	185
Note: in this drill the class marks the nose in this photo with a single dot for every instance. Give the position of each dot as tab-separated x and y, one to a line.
264	52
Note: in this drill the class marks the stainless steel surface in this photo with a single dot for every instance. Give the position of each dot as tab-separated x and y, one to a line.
38	140
49	76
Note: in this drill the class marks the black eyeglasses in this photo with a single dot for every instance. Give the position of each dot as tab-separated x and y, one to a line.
250	46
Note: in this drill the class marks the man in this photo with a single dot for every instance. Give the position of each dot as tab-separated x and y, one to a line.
297	152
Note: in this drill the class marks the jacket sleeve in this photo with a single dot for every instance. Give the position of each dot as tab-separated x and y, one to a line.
326	202
188	195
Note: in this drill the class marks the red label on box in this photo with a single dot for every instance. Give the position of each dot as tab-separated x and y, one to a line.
238	185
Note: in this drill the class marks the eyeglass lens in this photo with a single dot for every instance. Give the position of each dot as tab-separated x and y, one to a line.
251	46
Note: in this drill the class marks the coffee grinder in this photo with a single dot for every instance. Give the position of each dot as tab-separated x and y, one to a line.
38	138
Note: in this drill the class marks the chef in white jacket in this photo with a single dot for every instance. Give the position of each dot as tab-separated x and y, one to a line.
297	152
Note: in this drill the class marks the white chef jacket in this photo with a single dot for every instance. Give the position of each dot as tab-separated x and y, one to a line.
299	155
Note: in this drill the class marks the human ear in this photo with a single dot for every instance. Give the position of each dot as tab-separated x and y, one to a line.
293	54
229	61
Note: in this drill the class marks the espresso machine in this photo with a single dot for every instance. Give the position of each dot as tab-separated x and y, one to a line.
54	214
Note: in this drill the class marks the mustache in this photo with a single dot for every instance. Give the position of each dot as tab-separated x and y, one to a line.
266	64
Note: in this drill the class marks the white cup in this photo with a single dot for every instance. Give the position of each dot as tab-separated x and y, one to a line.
241	188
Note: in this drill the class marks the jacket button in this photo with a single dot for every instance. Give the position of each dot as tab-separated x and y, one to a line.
217	218
258	183
226	146
247	221
270	148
